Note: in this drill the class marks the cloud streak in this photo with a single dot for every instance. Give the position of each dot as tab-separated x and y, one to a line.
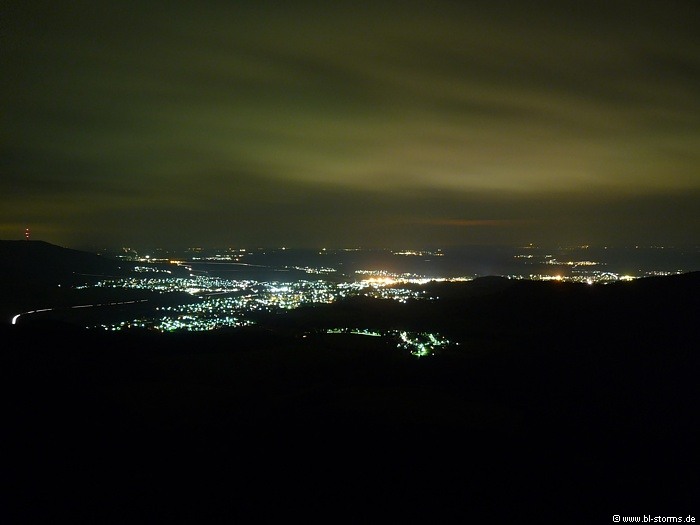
175	108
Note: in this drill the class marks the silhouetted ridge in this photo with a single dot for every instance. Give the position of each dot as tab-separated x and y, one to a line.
502	309
43	262
562	400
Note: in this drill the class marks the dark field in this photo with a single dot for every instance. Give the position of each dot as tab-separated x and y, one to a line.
564	403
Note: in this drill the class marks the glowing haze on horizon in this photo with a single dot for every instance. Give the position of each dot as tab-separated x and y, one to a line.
376	124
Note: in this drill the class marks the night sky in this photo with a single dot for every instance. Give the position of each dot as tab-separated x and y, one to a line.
393	124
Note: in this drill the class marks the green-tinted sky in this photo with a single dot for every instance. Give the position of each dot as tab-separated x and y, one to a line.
392	124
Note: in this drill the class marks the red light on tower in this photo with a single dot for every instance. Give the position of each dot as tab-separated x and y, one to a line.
26	233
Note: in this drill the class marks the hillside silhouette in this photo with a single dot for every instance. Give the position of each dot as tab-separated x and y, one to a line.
37	275
47	263
563	402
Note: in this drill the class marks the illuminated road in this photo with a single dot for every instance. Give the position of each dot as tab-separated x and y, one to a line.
16	317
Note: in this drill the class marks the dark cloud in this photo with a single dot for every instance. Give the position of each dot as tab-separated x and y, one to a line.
379	123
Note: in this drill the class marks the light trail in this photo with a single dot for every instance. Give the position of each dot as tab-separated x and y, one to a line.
16	317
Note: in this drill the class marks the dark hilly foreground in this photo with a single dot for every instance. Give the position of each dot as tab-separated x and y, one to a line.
563	404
